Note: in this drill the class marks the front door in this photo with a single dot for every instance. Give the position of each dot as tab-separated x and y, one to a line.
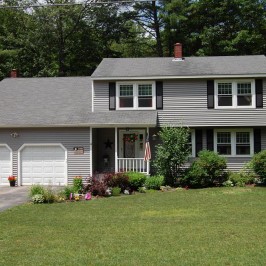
131	143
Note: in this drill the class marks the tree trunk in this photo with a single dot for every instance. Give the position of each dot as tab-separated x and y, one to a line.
157	30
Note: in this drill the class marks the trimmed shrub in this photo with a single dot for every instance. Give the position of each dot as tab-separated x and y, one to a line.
207	170
136	179
98	187
154	182
244	177
258	163
116	191
120	180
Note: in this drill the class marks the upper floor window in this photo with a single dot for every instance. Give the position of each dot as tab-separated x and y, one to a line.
138	95
235	94
234	142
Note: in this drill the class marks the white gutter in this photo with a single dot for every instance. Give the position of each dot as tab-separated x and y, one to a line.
129	125
181	77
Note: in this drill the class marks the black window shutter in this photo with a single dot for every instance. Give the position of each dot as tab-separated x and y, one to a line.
112	95
209	134
257	140
210	94
198	136
259	93
159	95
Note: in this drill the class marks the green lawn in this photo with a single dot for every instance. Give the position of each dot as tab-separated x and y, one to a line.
219	226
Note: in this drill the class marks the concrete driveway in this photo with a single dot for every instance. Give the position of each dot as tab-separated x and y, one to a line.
13	196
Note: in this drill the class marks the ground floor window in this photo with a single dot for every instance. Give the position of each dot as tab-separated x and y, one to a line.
237	142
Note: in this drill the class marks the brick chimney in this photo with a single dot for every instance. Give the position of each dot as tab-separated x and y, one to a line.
13	73
178	55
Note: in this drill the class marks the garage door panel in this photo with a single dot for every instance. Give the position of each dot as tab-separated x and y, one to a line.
43	165
48	169
5	165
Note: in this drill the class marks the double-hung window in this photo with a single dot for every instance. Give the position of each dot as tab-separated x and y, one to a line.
224	143
235	94
137	95
234	142
126	97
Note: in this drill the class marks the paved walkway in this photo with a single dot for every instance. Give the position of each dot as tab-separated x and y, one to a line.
13	196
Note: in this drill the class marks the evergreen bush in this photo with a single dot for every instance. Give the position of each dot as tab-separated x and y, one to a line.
136	179
208	170
154	182
258	163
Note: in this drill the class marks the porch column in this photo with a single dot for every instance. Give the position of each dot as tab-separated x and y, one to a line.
91	151
116	146
148	162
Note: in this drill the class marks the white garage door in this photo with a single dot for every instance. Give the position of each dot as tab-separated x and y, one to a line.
5	164
45	165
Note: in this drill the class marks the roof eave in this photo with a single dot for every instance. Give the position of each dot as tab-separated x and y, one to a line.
181	77
102	125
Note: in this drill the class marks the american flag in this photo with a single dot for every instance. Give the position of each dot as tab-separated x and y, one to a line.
147	154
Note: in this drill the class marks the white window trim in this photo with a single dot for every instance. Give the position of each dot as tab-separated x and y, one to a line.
135	95
234	93
193	143
233	141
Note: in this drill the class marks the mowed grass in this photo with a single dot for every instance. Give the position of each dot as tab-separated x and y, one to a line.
218	226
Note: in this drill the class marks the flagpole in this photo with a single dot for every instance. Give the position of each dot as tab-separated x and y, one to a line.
148	161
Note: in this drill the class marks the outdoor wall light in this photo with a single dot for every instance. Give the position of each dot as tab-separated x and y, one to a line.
14	135
154	137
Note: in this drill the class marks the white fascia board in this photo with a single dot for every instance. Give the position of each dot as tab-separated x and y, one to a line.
44	126
181	77
122	125
129	125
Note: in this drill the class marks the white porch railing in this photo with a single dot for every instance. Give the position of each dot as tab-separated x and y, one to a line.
133	165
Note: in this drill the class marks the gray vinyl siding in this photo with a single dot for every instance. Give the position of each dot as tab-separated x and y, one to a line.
69	138
101	96
185	102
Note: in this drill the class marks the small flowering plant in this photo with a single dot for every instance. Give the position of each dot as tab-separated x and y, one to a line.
78	184
12	178
131	138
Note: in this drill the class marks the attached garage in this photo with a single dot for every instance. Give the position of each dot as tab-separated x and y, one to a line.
5	164
44	164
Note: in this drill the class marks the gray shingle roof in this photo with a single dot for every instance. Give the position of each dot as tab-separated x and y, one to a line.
121	68
52	102
44	101
124	118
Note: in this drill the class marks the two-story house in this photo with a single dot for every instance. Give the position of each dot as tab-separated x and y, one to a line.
219	98
52	129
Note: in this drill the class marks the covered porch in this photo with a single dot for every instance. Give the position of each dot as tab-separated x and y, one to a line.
119	150
118	140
